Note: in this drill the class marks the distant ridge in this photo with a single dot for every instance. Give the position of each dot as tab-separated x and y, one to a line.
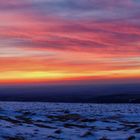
73	94
117	98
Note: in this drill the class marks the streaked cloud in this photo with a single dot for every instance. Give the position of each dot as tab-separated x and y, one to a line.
69	37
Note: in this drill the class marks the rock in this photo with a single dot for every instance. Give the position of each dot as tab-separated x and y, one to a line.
66	111
132	138
70	125
104	138
86	134
58	131
65	117
14	138
137	130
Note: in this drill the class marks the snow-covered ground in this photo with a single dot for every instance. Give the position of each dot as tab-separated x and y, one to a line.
67	121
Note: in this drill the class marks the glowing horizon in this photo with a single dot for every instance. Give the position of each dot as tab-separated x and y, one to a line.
44	40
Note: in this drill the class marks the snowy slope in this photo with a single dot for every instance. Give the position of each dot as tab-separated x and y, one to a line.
66	121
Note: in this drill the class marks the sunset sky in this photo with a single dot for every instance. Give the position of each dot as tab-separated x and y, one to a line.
74	40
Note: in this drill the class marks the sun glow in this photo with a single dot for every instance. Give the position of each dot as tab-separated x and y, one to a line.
56	75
